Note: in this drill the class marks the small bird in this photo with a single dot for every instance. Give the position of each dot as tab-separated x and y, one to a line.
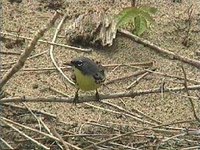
87	75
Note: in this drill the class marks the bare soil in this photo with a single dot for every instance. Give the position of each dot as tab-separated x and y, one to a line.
168	31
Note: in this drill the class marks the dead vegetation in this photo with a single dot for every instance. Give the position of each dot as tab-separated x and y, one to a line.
149	101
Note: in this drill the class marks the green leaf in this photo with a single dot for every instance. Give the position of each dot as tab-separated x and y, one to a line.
140	18
151	10
126	16
140	25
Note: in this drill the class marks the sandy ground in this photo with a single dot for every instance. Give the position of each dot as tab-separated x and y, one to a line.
29	16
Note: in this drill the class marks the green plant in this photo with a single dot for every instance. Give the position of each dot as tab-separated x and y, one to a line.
140	18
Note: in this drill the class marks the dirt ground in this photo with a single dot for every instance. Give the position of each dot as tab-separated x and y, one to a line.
168	31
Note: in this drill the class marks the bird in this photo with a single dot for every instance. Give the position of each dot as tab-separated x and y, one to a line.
87	75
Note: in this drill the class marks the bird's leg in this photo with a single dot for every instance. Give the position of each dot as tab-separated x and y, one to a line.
97	95
76	97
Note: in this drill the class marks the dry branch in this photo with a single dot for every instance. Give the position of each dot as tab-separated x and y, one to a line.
48	42
33	110
188	94
27	51
129	133
26	136
52	48
66	144
6	143
135	82
93	98
171	55
134	117
9	53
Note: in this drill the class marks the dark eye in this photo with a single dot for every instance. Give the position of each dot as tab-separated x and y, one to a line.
79	63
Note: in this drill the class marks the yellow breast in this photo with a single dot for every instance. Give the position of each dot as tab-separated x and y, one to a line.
85	82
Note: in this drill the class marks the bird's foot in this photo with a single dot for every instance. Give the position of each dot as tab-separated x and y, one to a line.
76	97
97	96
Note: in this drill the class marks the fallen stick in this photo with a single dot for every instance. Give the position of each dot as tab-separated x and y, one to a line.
93	98
171	55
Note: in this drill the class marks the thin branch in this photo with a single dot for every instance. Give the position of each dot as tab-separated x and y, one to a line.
121	113
48	42
66	144
191	147
130	113
168	75
60	137
33	115
6	143
135	82
29	128
136	73
27	51
93	98
188	94
9	53
127	134
170	54
26	136
52	47
33	110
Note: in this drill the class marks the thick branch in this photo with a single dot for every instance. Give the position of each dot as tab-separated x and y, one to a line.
93	98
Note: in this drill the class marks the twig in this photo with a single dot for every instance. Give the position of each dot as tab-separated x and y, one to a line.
171	55
134	83
127	134
121	113
130	113
168	75
93	98
136	73
52	47
27	51
191	147
10	53
186	39
173	137
141	64
66	144
48	42
29	128
68	67
38	120
26	136
35	69
31	57
6	143
33	110
61	139
188	94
